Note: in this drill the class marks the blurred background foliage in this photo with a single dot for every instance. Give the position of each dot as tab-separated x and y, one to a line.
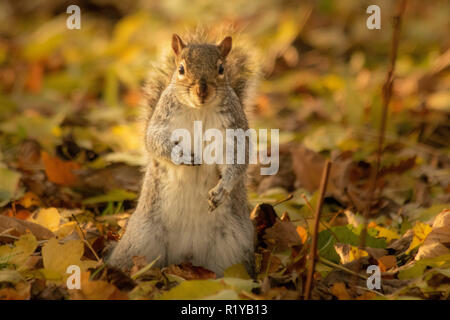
79	90
71	139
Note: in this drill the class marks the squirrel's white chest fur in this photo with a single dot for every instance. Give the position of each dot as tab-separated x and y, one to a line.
185	197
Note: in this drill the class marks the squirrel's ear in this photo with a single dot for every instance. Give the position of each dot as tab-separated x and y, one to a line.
225	47
177	44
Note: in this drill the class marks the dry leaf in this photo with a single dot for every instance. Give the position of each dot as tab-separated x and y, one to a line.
340	291
282	236
21	227
421	231
22	249
59	171
189	272
348	253
48	218
29	199
57	257
387	262
96	290
302	233
21	291
437	242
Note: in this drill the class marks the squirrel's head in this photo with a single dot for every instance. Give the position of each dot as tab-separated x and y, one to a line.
200	74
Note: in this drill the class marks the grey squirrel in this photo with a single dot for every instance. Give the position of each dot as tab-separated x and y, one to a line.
193	212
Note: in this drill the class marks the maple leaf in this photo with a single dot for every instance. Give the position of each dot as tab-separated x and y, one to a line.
57	257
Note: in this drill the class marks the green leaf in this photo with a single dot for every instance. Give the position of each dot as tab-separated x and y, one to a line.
115	195
346	235
9	181
417	270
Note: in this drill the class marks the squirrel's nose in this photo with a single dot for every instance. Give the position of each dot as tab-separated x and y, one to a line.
202	89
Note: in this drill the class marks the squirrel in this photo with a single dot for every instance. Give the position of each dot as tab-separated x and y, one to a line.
191	212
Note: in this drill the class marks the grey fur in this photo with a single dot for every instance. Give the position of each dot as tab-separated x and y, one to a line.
188	213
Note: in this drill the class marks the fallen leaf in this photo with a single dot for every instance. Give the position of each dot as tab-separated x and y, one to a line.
367	296
437	242
348	253
387	262
10	276
263	217
59	171
29	200
22	249
302	233
194	289
282	236
421	230
21	227
9	182
340	291
66	229
57	257
188	271
96	290
34	77
386	233
21	291
48	218
236	271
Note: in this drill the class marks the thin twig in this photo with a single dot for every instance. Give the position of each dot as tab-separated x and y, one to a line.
85	239
308	204
145	269
338	266
386	97
289	197
312	254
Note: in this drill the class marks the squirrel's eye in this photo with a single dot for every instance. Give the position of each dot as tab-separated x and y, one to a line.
220	69
181	69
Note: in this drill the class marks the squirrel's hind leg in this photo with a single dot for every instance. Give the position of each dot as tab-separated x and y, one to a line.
141	238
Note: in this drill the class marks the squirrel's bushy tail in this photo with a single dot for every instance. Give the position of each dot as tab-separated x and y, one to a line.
242	69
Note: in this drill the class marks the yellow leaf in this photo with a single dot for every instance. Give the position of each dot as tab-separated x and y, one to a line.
23	248
29	199
66	229
348	253
48	218
421	230
96	290
340	291
193	289
302	233
386	233
236	271
57	257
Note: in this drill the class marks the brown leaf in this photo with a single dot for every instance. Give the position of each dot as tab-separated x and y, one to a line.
59	171
437	242
387	262
282	236
34	78
269	263
21	291
96	290
189	272
340	291
20	227
263	217
138	263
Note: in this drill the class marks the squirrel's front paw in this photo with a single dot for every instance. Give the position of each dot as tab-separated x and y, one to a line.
216	196
179	157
